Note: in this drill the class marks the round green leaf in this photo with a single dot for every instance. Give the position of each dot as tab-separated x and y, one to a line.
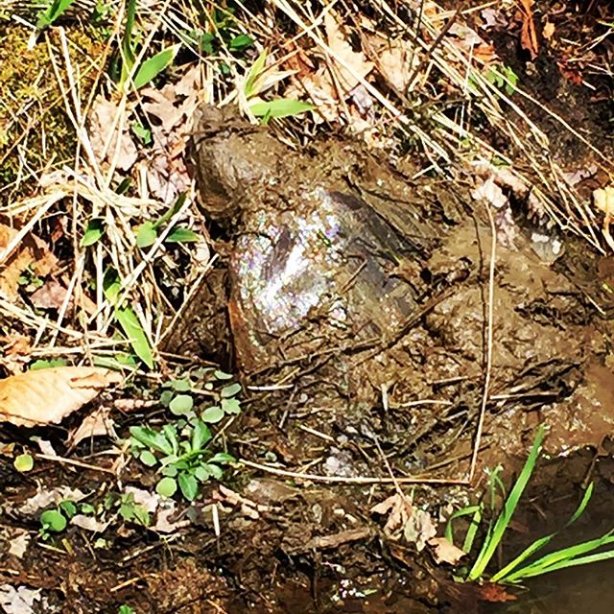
231	406
222	375
181	385
166	487
212	415
23	463
230	391
53	520
147	458
182	404
146	235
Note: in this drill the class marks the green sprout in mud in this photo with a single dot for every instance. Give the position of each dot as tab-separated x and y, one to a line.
56	520
180	450
525	565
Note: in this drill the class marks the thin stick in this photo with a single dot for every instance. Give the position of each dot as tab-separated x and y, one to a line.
345	480
76	463
489	336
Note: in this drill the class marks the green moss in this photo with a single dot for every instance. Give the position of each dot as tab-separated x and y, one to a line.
33	118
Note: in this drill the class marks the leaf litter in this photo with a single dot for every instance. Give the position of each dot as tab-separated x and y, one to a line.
47	396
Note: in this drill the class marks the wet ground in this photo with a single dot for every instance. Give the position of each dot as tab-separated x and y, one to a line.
350	398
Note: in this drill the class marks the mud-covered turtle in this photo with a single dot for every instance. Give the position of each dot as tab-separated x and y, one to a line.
327	248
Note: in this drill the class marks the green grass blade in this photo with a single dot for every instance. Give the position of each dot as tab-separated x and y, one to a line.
131	326
560	558
470	510
280	108
502	575
127	48
52	13
494	537
584	560
153	66
254	73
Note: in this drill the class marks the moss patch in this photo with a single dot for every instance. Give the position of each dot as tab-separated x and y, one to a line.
35	129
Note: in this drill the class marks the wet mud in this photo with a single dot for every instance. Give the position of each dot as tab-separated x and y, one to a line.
363	296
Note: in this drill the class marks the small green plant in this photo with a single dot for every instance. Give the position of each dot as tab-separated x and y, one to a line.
125	609
56	520
52	13
148	232
269	109
147	70
24	463
503	77
48	364
525	565
125	505
180	449
127	318
30	280
94	231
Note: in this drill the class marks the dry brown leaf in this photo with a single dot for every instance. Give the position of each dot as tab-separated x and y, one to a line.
97	424
190	83
419	529
494	593
322	87
31	252
15	344
399	511
47	396
528	35
103	131
358	66
604	200
444	551
51	295
162	107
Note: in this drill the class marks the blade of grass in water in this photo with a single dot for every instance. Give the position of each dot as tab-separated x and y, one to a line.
498	530
567	557
503	574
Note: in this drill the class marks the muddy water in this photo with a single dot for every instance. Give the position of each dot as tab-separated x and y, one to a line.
584	589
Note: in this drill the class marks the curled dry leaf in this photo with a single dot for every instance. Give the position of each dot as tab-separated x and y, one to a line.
444	551
528	35
49	395
32	253
337	77
97	424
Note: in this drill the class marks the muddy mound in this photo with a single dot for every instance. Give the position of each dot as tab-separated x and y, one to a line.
353	284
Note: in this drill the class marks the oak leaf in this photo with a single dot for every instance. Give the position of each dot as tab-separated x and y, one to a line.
47	396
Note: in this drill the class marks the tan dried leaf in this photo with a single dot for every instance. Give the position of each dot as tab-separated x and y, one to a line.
51	295
358	67
104	135
444	551
159	105
49	395
548	31
97	424
31	252
419	529
604	199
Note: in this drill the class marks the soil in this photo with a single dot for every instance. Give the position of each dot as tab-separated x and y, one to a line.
398	389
